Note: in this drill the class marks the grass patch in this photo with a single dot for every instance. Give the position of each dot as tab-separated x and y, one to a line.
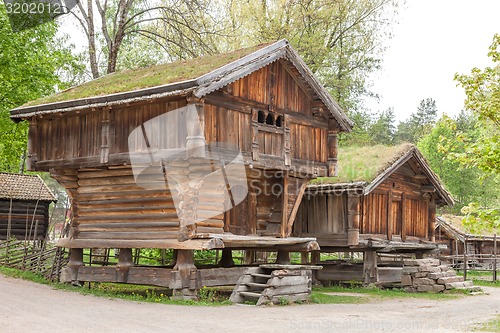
375	293
490	326
138	293
321	298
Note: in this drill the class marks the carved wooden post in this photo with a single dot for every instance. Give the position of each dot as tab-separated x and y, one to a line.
353	207
255	135
32	138
124	263
283	257
187	272
389	215
332	147
105	136
286	142
75	262
226	259
403	216
315	257
284	206
195	124
370	271
432	221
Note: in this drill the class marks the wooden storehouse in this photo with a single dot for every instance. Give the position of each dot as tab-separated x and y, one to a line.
455	242
210	153
24	207
383	201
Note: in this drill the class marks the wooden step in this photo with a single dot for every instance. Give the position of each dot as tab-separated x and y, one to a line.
264	276
250	294
256	285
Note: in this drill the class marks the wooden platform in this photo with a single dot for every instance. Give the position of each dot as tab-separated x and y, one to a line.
202	242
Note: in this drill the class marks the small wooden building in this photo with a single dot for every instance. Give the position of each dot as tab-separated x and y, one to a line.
24	207
383	201
211	153
453	241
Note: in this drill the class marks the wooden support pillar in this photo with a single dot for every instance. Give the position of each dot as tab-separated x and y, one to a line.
432	221
333	144
403	216
304	258
283	257
226	259
389	216
353	208
315	257
195	125
32	138
465	258
75	262
124	263
284	206
187	272
249	257
255	135
370	271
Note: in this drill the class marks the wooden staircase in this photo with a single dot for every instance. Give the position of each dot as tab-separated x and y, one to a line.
272	284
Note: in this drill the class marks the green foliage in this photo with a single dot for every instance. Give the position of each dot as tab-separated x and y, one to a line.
419	124
482	89
479	218
465	184
341	41
30	62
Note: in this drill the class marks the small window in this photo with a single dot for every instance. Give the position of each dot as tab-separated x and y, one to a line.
260	117
279	121
270	119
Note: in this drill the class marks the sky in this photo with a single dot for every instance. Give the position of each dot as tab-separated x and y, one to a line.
433	40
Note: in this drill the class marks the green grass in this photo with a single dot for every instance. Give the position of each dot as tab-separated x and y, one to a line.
321	298
490	326
364	163
139	293
376	293
129	80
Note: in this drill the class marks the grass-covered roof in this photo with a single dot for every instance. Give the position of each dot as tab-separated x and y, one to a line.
147	77
364	164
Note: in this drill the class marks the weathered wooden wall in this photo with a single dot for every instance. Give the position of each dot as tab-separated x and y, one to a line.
396	207
25	221
322	214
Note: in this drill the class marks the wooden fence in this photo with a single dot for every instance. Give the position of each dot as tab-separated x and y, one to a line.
36	256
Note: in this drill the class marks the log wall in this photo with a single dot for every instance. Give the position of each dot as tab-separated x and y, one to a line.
25	221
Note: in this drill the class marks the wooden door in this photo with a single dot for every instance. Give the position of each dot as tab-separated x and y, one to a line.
396	218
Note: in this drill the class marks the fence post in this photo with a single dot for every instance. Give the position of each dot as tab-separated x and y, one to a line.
495	258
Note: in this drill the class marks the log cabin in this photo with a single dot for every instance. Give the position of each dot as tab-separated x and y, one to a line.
383	201
458	245
24	207
209	153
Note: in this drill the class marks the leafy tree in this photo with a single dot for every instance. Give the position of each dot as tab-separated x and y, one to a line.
29	63
341	41
482	89
382	129
128	30
465	184
419	124
360	135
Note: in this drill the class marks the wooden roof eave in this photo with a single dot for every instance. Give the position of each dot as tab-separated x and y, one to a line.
173	89
259	59
412	153
455	233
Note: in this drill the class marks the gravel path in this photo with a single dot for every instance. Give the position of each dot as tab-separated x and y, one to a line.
30	307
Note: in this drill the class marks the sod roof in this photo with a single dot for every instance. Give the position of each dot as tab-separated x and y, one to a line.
364	164
147	77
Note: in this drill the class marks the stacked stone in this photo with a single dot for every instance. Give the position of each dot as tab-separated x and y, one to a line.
428	275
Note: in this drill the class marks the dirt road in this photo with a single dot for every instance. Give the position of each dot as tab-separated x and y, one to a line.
29	307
